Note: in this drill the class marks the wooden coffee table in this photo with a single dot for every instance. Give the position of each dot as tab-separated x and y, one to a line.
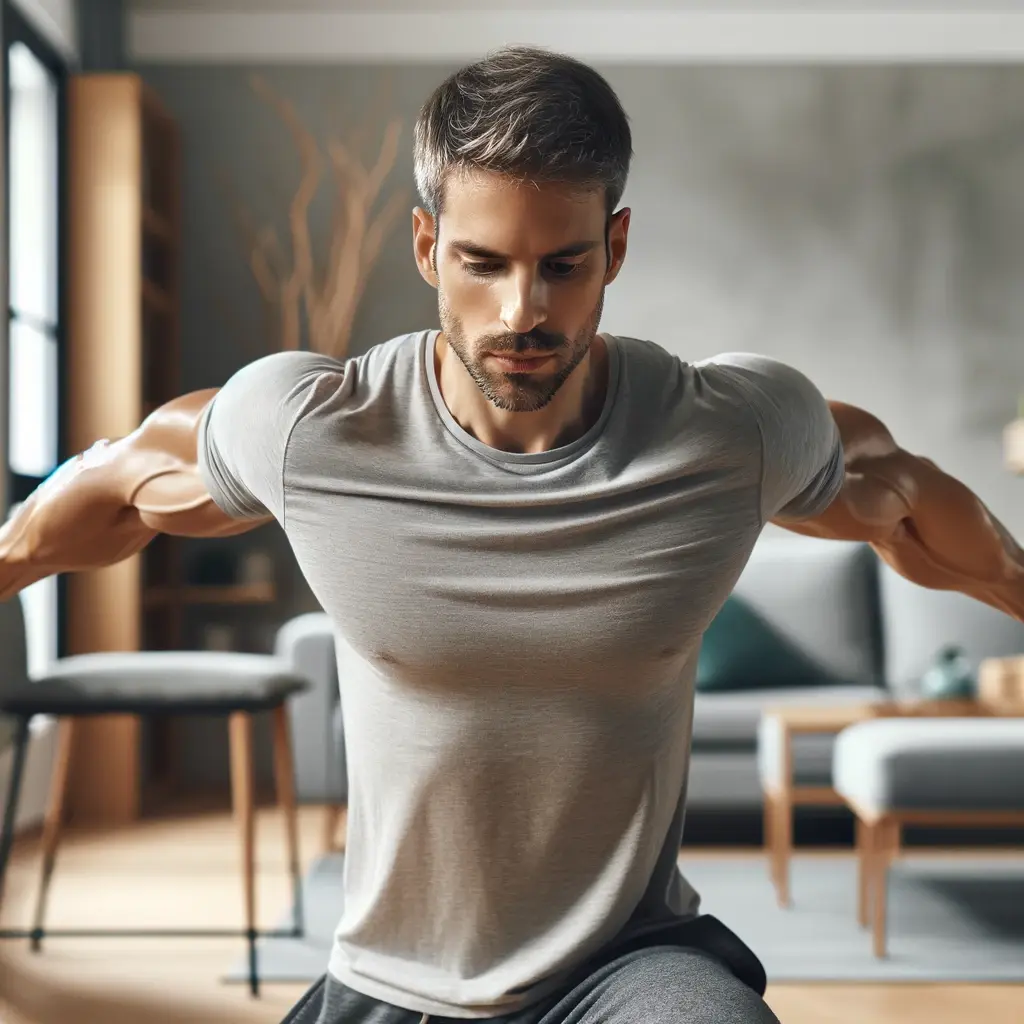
994	700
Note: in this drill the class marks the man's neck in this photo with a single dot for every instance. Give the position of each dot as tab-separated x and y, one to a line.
568	416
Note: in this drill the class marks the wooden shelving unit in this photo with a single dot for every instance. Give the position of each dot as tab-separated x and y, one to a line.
124	231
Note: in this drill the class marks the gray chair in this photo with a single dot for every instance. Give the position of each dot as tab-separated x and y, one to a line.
147	684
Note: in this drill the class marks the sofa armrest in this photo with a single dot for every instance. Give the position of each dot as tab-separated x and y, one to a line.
307	643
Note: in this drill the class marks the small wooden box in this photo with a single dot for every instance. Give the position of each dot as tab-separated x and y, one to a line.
1001	681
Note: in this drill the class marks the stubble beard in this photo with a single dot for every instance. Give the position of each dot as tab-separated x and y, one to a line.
518	392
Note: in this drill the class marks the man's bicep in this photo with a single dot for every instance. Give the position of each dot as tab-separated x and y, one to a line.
244	432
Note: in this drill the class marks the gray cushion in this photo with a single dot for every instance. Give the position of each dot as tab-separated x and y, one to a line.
151	682
730	720
929	764
821	596
919	622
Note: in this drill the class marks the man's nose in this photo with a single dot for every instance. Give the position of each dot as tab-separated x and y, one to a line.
524	305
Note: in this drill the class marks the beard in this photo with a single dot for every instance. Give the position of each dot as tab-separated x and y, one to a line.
518	392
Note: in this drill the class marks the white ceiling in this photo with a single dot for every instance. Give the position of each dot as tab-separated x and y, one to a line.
285	6
226	31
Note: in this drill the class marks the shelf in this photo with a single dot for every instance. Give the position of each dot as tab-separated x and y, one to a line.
241	593
1013	446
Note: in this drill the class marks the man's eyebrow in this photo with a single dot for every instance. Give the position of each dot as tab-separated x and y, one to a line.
468	248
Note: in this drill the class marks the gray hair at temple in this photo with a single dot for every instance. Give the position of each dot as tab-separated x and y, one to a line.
525	112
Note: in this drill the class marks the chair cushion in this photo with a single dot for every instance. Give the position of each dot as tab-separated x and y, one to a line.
729	720
153	682
950	764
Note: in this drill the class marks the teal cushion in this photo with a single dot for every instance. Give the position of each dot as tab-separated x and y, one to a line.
741	651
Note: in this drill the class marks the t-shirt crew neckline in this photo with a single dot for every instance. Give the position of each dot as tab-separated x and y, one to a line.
568	451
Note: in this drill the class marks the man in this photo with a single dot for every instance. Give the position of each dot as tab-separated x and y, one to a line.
521	528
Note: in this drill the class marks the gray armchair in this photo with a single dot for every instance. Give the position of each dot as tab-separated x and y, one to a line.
307	643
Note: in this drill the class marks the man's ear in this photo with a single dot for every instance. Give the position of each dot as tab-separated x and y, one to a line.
618	232
424	243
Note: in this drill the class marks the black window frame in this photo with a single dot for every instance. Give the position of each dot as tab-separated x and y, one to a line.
18	29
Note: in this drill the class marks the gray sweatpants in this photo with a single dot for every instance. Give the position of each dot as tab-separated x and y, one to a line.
653	985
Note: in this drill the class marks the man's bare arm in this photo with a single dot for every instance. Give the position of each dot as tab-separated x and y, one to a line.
108	503
928	526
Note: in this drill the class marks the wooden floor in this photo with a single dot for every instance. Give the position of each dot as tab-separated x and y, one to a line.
183	872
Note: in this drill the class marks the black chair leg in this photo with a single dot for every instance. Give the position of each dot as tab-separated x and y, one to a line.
13	795
254	974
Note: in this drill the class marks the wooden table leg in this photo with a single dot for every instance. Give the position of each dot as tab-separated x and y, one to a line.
782	827
767	832
244	805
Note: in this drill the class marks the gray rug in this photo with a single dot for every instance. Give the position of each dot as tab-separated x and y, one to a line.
949	920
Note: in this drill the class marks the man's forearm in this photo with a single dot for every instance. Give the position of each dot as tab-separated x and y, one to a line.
108	503
74	520
951	540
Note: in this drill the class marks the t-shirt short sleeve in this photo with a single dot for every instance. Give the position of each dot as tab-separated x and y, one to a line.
244	434
803	465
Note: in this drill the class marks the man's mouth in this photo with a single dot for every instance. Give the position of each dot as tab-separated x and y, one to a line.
520	362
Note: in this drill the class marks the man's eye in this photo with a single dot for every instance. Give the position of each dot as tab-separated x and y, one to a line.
555	269
564	269
482	269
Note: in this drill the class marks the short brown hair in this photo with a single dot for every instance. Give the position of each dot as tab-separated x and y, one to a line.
528	113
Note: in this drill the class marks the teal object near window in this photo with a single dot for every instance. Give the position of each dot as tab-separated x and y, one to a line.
741	651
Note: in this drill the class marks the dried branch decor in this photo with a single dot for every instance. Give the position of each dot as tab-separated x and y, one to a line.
322	295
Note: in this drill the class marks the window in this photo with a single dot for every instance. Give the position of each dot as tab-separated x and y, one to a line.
33	98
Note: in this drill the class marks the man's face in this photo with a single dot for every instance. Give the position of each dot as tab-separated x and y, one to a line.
520	271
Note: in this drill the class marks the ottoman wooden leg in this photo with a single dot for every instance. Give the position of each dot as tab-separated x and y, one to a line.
886	837
768	833
865	843
243	801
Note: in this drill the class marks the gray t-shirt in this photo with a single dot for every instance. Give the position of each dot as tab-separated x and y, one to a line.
517	638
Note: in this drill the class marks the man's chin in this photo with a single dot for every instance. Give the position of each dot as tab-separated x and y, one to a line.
510	396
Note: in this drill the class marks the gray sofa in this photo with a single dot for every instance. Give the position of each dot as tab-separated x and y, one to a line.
835	602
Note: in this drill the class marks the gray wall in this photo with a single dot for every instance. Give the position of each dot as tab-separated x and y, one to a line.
864	224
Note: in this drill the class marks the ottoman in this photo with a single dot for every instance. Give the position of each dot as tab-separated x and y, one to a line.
927	771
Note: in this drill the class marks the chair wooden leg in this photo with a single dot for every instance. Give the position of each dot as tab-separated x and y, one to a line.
783	839
284	775
864	854
244	806
52	823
